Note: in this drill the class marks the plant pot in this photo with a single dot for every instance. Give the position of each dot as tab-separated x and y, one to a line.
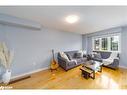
6	77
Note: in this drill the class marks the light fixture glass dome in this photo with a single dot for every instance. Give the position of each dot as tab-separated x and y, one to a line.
72	18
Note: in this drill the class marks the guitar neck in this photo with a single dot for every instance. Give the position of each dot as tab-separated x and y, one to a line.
53	54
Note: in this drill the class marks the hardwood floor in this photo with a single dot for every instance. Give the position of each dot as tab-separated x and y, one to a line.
72	79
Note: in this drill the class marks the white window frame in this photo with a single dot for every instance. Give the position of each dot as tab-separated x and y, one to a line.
109	46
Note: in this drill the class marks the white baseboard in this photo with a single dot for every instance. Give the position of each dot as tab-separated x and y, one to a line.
29	73
123	67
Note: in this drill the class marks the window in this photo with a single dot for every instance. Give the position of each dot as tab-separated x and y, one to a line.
97	43
104	42
107	43
114	43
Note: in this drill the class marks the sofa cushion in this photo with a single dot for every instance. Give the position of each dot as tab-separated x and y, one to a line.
83	60
78	60
71	53
107	61
72	63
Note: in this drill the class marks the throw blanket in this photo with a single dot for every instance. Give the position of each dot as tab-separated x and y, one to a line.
110	59
107	62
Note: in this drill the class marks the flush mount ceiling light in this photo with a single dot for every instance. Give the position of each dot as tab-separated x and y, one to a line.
72	18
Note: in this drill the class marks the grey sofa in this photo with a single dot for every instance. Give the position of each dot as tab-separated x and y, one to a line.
105	55
73	62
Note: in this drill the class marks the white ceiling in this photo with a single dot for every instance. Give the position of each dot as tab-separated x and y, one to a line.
92	18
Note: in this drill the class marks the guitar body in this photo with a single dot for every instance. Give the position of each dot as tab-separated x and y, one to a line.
54	65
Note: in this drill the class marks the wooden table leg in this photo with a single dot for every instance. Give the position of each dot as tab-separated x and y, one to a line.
100	69
93	74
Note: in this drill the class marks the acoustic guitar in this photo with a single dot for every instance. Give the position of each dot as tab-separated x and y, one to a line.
54	65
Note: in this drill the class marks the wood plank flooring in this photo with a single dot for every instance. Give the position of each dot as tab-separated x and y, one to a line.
72	79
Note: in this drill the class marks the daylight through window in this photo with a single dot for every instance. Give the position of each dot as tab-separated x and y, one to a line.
106	43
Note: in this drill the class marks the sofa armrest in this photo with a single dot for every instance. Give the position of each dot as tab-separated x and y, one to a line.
118	58
116	61
62	62
115	64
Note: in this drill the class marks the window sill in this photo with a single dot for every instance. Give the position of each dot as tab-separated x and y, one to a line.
104	51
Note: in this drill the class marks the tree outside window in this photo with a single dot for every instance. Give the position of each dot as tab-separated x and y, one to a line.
114	43
96	44
104	44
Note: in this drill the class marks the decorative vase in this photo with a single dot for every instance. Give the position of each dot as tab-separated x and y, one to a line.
6	77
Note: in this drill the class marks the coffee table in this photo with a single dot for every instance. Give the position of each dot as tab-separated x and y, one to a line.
94	66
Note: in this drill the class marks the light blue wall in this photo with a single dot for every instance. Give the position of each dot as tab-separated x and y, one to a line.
11	20
123	30
124	47
84	40
32	47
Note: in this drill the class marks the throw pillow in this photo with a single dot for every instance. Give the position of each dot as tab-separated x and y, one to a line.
84	55
78	55
97	55
62	54
69	56
84	52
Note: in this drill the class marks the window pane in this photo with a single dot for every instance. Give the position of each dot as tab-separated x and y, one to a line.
114	43
96	44
104	44
107	43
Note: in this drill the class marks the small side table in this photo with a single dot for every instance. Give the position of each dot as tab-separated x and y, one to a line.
86	73
91	67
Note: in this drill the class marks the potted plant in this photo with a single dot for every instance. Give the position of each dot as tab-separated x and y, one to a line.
6	58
